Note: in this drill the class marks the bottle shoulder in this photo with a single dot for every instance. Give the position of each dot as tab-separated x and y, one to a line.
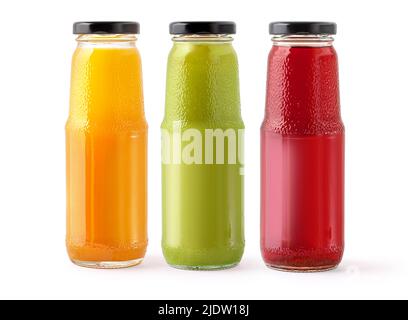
187	51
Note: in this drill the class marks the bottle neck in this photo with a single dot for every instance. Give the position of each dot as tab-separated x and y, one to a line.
303	40
107	40
216	38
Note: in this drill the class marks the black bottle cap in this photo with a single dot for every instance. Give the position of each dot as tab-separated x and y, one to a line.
106	27
202	27
303	28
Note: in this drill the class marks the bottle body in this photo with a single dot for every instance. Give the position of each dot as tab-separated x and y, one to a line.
202	145
302	160
106	148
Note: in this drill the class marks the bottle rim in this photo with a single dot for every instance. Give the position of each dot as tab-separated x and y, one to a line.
303	40
216	38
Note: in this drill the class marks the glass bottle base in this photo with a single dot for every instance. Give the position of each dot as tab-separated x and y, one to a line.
108	264
302	269
204	268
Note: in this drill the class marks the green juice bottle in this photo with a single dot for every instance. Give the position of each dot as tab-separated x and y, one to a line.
202	150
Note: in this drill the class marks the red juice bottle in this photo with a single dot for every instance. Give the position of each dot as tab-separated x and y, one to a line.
302	151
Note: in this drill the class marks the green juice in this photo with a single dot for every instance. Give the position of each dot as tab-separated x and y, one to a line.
202	156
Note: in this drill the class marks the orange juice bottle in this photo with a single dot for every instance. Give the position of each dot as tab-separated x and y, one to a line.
106	149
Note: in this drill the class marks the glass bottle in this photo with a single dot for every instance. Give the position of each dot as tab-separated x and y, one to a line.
106	148
302	151
202	149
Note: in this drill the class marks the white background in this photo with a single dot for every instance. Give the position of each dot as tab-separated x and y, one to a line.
35	57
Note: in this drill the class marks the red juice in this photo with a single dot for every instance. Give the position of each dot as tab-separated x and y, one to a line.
302	158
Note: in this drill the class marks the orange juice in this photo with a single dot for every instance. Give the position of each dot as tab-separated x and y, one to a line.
106	147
